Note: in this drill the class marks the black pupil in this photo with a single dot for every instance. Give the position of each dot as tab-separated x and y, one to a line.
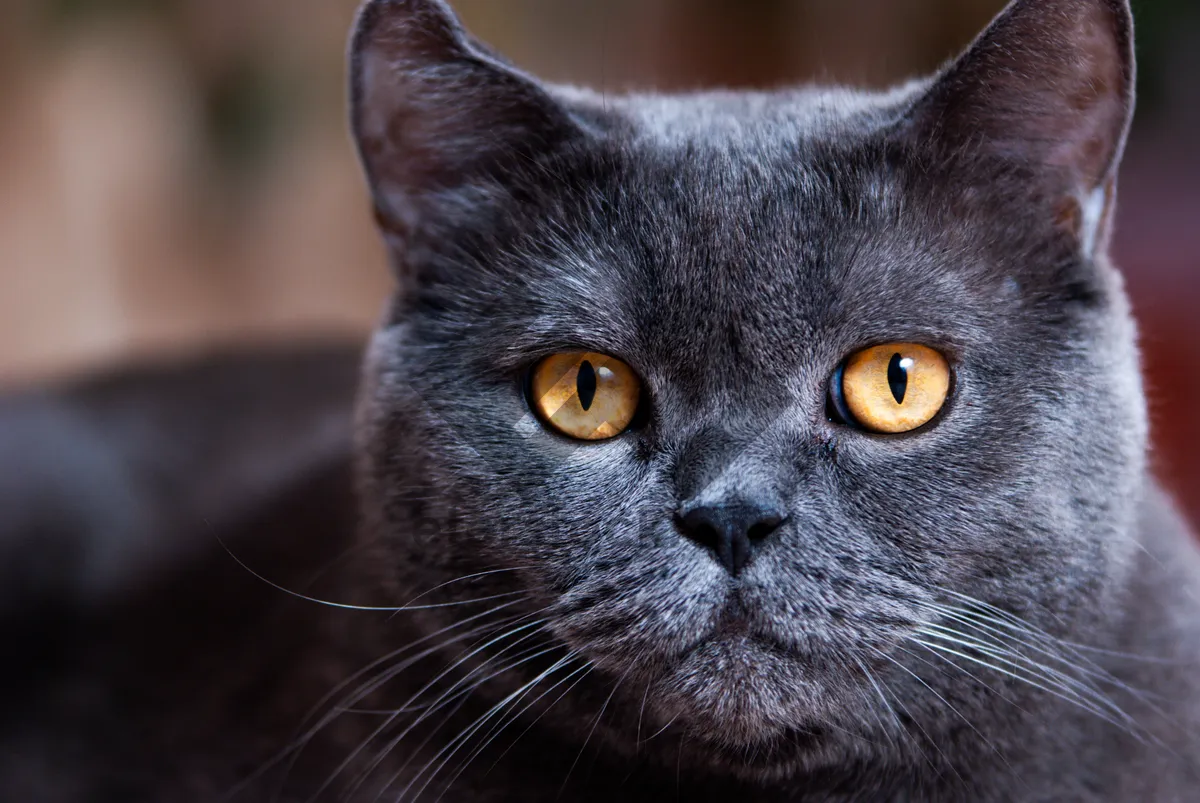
585	384
897	378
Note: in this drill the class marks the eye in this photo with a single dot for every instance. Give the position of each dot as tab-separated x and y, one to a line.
892	388
585	395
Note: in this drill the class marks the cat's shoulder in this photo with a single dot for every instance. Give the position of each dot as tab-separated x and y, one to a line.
107	479
138	508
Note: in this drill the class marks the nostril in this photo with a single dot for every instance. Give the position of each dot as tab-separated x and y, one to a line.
764	527
702	532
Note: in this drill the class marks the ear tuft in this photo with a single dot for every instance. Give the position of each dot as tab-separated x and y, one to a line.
433	110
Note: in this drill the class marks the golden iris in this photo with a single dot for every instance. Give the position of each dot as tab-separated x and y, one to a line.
585	395
895	387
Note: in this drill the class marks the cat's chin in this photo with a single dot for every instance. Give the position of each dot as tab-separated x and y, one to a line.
745	694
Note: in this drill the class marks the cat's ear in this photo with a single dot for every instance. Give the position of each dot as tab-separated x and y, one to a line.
1048	86
433	110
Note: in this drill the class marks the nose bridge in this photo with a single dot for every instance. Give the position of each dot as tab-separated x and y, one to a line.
730	490
720	466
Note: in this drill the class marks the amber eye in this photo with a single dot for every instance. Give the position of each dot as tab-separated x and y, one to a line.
585	395
892	388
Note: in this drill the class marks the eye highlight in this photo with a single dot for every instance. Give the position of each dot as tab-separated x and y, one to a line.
585	395
892	388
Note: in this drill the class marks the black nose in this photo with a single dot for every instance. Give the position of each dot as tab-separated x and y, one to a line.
730	530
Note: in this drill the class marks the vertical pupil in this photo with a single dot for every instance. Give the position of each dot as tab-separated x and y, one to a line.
897	378
585	384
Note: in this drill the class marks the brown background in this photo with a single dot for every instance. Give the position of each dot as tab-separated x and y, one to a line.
175	173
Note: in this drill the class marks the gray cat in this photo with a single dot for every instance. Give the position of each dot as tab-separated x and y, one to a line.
782	446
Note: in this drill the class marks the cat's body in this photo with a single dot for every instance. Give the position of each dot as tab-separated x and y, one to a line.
742	584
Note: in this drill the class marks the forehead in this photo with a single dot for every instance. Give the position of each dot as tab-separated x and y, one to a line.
756	252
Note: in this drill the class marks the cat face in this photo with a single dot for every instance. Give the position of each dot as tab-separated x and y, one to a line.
743	554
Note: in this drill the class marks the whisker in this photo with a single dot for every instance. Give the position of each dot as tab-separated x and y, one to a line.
663	729
972	676
460	689
383	726
298	743
586	669
395	654
453	746
1020	661
500	727
637	740
958	713
595	724
1066	697
371	686
980	615
348	606
917	721
408	606
1001	649
887	706
1046	644
999	615
1149	700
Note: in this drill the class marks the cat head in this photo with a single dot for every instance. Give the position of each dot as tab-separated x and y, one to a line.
744	392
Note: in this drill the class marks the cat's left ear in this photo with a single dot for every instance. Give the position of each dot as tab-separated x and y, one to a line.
435	112
1048	87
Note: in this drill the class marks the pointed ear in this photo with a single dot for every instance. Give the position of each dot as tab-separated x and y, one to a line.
432	110
1050	87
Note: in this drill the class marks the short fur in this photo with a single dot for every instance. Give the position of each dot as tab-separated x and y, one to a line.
1000	605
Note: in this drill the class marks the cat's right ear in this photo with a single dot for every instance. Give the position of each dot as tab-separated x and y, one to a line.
433	111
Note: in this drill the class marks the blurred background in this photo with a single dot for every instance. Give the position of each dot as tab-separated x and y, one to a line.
175	174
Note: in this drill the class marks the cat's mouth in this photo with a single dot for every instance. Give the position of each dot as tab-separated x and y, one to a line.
742	674
737	625
747	690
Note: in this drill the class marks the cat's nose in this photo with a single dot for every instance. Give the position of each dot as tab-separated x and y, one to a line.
730	530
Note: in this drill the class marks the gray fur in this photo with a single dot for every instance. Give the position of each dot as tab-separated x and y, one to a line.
734	248
998	606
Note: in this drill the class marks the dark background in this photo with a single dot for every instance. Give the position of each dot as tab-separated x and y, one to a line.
175	174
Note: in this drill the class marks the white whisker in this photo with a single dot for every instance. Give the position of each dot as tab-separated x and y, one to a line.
460	689
958	713
1019	661
595	724
1065	696
917	723
350	607
447	752
383	726
586	670
500	726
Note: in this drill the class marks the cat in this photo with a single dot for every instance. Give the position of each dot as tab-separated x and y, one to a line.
764	446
